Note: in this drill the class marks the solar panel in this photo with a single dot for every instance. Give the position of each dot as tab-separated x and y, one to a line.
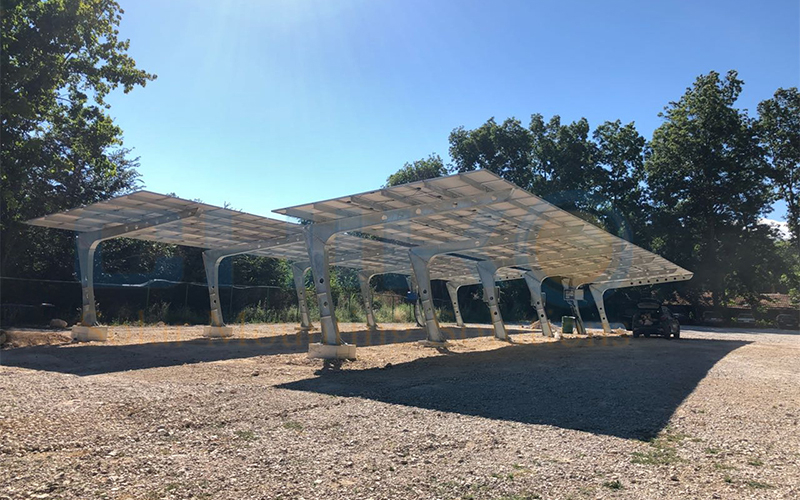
211	227
523	230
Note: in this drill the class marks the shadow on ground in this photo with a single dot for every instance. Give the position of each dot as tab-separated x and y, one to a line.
95	358
614	386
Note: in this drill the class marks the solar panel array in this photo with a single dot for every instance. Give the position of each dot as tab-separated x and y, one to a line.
519	231
522	231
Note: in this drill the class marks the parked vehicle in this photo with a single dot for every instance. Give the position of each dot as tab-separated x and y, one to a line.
712	318
745	319
682	318
787	321
652	318
627	317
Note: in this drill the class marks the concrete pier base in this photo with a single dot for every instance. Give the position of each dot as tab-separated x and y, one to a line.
83	333
327	351
217	331
431	343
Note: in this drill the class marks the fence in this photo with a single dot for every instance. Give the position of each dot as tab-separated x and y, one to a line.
34	302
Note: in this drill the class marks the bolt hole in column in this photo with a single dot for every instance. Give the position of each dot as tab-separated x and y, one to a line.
324	304
495	313
321	280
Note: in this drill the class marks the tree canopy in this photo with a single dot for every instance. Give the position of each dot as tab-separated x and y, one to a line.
709	183
779	125
419	170
60	148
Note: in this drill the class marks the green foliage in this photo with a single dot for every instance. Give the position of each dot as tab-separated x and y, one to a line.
60	148
621	153
503	149
790	270
420	170
550	159
779	127
708	184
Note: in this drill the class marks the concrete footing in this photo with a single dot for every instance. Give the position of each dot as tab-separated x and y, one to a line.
431	343
83	333
327	351
217	331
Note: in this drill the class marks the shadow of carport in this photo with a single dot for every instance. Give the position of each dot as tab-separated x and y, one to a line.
612	386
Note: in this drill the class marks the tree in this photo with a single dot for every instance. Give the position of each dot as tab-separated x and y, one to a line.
60	149
503	149
420	170
621	155
708	184
564	169
551	160
779	126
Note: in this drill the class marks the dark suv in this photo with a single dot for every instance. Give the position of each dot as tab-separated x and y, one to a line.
652	318
786	321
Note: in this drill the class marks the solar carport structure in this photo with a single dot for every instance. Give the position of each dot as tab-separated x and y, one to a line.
464	229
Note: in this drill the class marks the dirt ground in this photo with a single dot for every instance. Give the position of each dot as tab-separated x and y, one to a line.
163	413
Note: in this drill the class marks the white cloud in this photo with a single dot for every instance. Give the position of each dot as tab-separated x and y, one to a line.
781	226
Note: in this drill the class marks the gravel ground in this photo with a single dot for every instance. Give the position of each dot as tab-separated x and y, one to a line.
162	413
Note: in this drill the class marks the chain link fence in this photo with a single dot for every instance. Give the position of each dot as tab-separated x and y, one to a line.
34	302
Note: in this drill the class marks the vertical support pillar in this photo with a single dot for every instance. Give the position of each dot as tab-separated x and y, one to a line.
420	265
86	250
331	345
534	282
452	290
299	277
597	293
486	271
318	256
88	328
366	297
87	244
211	261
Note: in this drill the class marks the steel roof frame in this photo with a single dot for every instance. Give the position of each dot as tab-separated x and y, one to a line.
466	228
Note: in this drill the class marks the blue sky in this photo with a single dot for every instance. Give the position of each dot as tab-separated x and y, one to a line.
265	104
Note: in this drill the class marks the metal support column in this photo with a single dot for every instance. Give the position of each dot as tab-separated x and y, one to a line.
534	282
86	249
299	277
486	271
317	245
211	262
420	264
366	297
88	329
597	294
452	290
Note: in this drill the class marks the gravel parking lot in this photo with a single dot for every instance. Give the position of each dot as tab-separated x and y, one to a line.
162	413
